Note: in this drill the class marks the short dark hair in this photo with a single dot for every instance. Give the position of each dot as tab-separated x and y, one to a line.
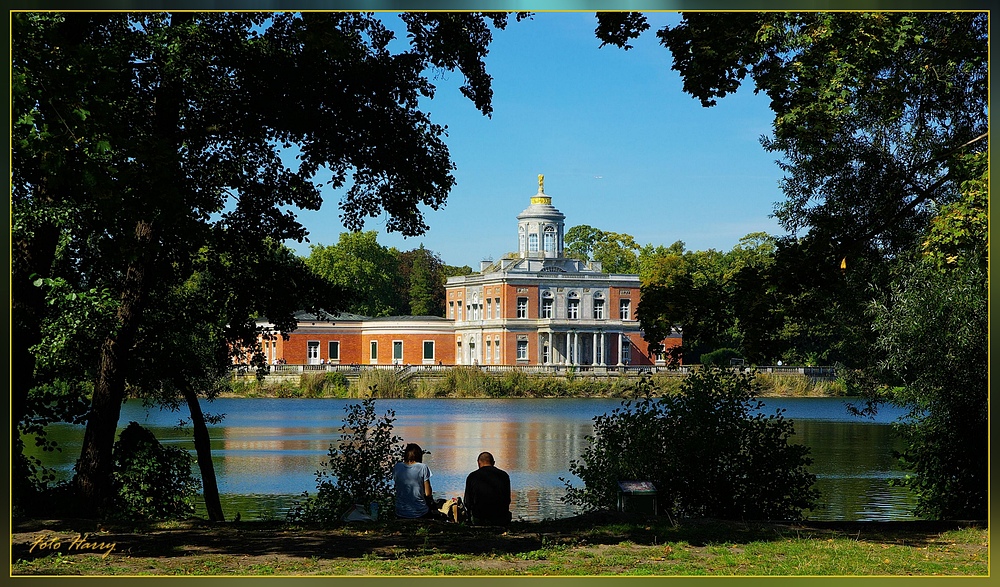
413	453
486	458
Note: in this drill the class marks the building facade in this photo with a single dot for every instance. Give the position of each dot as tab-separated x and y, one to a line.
537	307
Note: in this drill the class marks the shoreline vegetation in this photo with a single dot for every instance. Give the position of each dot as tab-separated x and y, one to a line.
603	543
475	384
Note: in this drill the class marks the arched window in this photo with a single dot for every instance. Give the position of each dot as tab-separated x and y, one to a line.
533	243
550	239
548	305
520	239
573	306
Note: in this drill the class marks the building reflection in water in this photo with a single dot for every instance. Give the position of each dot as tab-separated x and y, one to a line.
271	460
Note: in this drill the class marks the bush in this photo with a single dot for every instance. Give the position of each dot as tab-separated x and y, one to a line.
720	357
335	383
933	338
358	468
708	448
152	481
382	383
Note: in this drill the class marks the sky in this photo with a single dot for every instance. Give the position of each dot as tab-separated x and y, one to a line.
621	146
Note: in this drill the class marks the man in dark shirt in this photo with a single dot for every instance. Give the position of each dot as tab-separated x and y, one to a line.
487	493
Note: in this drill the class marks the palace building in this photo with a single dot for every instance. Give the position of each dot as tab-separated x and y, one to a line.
537	307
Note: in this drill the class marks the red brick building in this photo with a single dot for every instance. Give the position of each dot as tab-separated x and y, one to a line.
537	307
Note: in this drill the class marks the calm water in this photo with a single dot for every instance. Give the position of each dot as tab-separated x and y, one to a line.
267	451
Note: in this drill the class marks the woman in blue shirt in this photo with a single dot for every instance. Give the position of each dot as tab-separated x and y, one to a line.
413	484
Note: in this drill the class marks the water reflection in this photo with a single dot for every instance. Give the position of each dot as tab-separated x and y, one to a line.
272	448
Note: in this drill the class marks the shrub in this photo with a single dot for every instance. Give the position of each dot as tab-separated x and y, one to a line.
382	383
720	357
708	448
358	468
152	481
336	383
311	384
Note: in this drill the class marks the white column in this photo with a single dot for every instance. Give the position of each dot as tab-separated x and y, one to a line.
621	339
593	351
576	348
568	357
604	351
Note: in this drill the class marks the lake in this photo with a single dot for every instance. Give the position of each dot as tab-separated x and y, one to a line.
267	451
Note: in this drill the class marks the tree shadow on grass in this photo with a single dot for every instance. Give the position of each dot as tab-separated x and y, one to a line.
398	539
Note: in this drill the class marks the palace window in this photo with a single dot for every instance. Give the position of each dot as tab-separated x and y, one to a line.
547	304
625	309
451	310
459	315
573	309
489	309
520	239
428	351
489	351
373	352
533	243
550	239
397	351
312	352
334	350
598	309
522	307
496	303
522	350
626	352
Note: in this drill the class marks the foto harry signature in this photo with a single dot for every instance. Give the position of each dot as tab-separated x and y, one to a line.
79	543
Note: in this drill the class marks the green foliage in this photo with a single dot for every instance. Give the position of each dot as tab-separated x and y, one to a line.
720	357
933	336
960	230
152	481
709	449
336	383
421	291
358	468
147	149
617	252
363	267
381	383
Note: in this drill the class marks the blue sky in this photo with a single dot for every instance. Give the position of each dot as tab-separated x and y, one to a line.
621	146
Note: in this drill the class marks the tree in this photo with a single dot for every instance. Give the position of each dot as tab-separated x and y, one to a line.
871	108
617	252
149	131
880	119
933	332
933	336
688	291
360	265
423	301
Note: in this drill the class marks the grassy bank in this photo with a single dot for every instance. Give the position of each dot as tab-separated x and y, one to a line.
474	383
596	544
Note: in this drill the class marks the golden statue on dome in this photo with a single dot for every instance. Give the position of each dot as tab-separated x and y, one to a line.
541	197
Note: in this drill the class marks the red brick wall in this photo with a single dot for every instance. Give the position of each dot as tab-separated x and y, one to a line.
616	295
413	347
510	295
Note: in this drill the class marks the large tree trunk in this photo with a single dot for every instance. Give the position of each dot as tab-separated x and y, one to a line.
203	446
31	258
93	477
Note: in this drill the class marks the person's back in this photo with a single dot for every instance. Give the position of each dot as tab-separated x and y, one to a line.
411	479
487	493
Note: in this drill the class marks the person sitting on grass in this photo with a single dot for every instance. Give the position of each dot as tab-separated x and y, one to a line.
487	493
412	479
